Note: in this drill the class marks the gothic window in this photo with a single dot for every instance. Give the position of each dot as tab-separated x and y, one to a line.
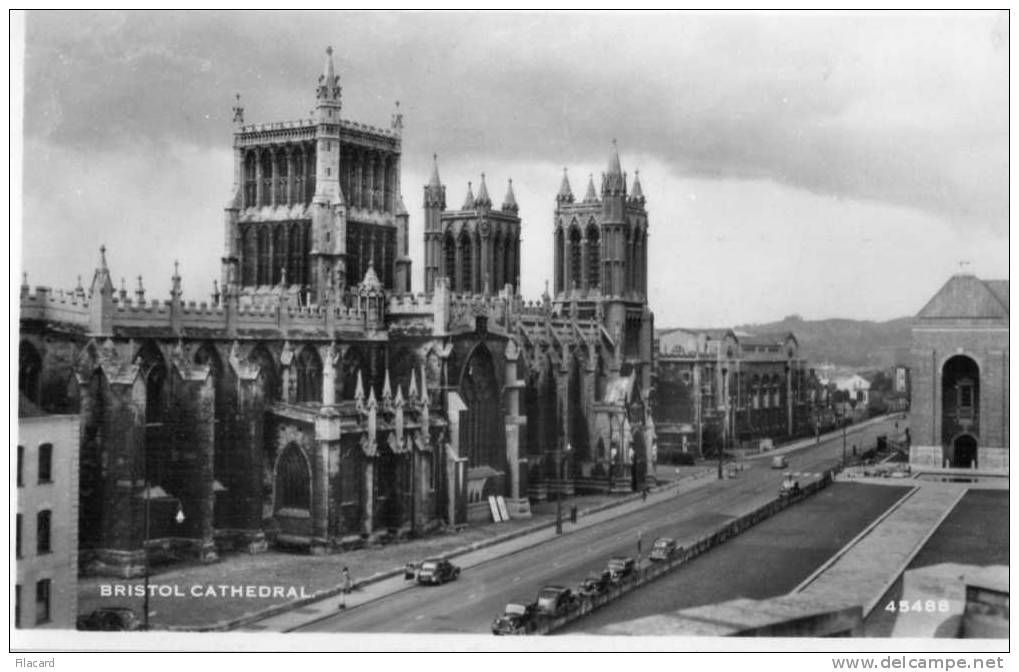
250	177
293	480
264	260
279	255
266	178
388	256
297	194
449	254
294	253
281	178
387	203
508	267
266	371
497	271
560	259
576	271
249	255
309	171
593	255
155	378
309	375
466	265
29	369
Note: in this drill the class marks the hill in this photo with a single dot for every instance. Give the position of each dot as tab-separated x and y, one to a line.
859	344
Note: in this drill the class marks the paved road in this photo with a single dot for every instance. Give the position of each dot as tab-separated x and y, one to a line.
469	604
770	559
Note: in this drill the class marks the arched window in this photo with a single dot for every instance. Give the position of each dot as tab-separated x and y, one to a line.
467	264
309	172
293	480
29	370
266	178
154	369
281	178
279	254
576	270
560	260
309	375
297	194
593	256
249	252
250	177
509	261
498	278
267	371
449	259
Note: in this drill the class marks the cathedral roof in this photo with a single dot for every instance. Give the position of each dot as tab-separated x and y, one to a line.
509	204
637	194
469	201
968	297
565	194
614	181
483	200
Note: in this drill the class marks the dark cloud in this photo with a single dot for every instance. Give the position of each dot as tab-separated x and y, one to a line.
909	109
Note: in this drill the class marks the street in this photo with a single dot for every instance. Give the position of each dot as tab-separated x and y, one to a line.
469	604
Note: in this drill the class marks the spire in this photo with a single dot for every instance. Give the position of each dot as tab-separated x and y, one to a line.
175	290
469	201
591	196
328	82
483	200
565	194
140	292
509	204
614	182
397	122
435	182
238	111
359	391
412	391
101	281
637	195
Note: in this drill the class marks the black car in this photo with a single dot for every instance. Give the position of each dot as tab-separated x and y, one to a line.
518	618
437	570
663	549
410	570
555	600
596	583
109	618
621	567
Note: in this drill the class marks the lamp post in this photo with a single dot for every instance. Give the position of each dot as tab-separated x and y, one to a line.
559	494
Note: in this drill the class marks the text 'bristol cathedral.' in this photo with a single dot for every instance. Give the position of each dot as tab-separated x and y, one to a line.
316	402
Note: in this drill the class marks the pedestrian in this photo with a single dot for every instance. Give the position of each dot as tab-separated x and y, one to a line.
640	539
573	514
345	586
643	496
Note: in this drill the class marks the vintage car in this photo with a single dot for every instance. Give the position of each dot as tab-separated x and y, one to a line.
596	583
555	600
779	462
109	618
662	549
518	618
436	571
620	567
790	486
410	571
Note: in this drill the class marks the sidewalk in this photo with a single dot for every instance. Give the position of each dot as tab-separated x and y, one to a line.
243	588
812	441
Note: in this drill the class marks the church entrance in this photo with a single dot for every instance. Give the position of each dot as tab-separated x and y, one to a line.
964	452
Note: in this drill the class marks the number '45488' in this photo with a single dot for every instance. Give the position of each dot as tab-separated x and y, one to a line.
929	606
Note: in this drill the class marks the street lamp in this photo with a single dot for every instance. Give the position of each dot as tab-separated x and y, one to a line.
559	494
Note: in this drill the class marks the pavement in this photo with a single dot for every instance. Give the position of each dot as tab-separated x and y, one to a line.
305	584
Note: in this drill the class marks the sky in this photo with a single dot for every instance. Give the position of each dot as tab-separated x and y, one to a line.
819	164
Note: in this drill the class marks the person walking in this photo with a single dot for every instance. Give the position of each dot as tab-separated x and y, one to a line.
640	540
345	586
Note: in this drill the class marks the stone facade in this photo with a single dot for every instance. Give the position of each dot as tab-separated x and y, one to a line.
719	387
46	544
315	402
959	377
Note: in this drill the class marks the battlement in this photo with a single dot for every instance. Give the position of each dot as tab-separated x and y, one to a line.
69	307
416	304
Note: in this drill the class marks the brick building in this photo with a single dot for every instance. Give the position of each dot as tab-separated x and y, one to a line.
46	520
721	387
316	402
959	377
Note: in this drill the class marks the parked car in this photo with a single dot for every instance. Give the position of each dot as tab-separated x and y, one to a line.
663	549
437	570
110	618
779	462
596	583
554	600
410	570
790	486
518	618
621	567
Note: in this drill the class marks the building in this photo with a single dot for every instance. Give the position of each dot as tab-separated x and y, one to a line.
959	377
720	387
46	520
315	402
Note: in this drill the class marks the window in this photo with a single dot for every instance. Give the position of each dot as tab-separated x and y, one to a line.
17	537
17	606
966	396
42	601
21	461
42	532
293	483
46	463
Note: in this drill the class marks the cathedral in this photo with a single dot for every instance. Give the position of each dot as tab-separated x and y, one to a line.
315	402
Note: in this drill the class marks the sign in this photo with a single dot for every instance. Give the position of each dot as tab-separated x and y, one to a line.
496	515
503	511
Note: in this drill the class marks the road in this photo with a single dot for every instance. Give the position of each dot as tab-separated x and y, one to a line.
469	604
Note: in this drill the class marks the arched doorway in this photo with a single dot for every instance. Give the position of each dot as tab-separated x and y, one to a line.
960	408
482	431
964	452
